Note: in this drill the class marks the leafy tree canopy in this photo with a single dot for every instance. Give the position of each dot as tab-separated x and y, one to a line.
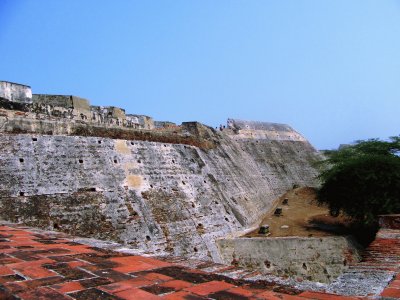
363	180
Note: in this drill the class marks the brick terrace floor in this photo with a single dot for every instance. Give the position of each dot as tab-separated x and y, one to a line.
40	265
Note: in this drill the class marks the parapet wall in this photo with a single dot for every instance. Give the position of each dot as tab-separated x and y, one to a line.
19	97
65	101
317	259
263	130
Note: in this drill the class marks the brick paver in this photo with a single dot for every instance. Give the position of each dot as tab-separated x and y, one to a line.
52	266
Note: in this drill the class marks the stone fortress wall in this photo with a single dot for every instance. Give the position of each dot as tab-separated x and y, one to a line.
18	96
156	186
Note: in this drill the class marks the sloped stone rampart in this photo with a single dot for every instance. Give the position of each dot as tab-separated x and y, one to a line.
161	197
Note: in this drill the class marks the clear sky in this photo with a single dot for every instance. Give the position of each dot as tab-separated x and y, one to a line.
330	69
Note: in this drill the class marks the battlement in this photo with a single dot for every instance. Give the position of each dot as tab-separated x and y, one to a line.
18	97
70	108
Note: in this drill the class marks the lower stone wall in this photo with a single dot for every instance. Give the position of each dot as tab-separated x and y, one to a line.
315	259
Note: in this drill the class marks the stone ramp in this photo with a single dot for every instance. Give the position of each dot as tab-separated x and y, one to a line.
47	265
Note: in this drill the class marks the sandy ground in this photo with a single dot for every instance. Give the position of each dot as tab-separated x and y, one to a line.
302	216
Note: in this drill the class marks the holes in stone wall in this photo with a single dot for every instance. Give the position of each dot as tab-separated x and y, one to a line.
267	264
226	219
148	238
132	143
87	189
22	194
205	181
139	161
99	142
193	205
81	161
304	266
184	183
151	185
55	226
195	249
115	161
34	139
173	161
21	160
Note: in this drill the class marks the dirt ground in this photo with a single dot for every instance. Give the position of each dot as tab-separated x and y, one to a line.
302	216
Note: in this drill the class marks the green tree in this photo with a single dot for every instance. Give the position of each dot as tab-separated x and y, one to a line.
362	180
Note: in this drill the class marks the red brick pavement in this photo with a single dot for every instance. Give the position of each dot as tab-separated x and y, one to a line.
43	266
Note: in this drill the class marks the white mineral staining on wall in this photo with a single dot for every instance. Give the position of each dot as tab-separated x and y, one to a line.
15	92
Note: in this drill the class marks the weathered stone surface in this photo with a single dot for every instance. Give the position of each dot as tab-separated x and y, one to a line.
170	190
156	196
65	101
140	121
317	259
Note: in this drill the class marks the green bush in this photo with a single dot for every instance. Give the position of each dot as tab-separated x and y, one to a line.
363	180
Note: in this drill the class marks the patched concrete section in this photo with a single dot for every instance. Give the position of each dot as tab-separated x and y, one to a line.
133	181
316	259
122	147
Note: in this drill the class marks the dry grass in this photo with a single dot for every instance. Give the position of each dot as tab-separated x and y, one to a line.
303	216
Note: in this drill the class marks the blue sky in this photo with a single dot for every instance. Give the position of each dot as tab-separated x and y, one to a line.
330	69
